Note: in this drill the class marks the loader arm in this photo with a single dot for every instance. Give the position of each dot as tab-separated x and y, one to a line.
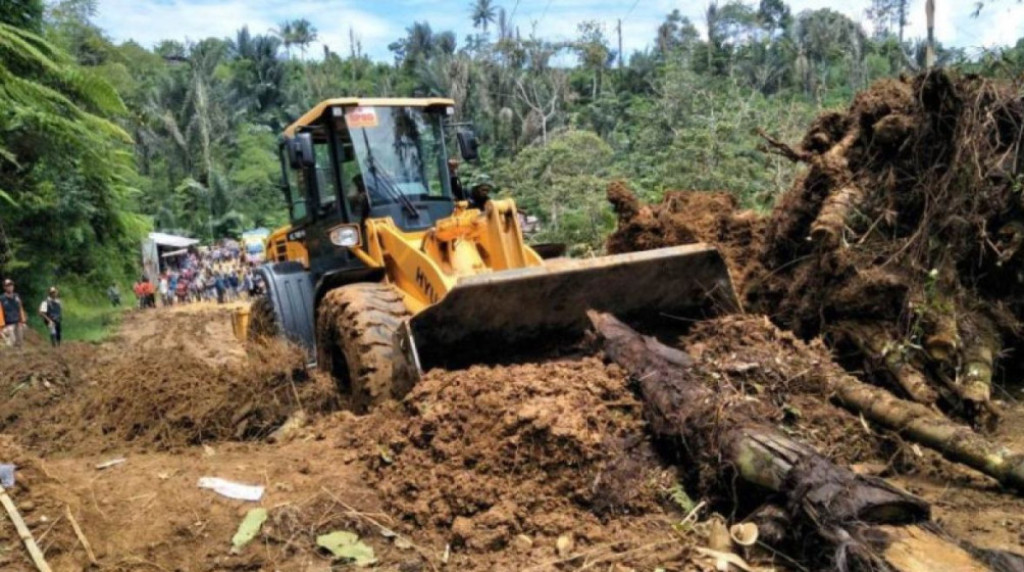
425	266
473	285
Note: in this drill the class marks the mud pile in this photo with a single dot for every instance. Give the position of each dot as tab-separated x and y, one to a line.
788	379
492	455
35	378
686	217
902	242
158	400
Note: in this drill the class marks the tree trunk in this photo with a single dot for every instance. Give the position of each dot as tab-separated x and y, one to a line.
849	512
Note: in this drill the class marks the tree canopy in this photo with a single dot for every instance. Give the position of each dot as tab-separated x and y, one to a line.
100	141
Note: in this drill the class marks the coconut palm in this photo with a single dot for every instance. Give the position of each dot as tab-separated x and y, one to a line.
303	34
483	14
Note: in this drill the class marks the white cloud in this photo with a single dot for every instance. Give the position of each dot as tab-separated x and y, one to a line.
149	22
377	23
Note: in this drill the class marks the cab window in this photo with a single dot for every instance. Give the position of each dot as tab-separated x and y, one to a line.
300	191
324	178
294	188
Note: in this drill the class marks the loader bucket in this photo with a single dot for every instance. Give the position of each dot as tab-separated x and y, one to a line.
500	310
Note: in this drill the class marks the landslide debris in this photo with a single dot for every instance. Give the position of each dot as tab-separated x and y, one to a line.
901	245
491	455
902	242
86	400
686	217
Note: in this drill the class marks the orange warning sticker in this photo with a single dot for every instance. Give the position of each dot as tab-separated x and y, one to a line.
361	117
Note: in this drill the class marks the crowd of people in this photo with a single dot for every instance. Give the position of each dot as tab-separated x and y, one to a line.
222	274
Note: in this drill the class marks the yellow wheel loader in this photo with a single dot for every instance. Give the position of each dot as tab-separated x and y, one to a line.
393	270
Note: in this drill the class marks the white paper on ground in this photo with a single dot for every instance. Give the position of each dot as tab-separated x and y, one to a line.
231	489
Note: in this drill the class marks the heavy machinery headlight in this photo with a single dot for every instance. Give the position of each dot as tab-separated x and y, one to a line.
346	236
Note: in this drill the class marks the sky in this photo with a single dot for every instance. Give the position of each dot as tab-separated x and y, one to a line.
377	23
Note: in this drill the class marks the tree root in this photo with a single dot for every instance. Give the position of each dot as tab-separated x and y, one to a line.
881	349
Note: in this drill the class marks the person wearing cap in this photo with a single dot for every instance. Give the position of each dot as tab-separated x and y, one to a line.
480	190
14	315
52	313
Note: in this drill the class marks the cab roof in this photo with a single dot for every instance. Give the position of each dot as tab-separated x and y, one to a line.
318	111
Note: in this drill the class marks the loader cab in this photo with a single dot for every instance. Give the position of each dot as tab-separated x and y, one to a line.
349	160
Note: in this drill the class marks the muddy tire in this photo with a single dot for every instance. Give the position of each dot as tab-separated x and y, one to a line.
355	330
262	321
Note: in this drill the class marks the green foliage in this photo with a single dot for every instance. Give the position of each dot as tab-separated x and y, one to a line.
563	182
66	169
24	14
678	495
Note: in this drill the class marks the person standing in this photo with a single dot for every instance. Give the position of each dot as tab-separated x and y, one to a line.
52	313
172	288
140	295
114	295
220	285
14	315
163	287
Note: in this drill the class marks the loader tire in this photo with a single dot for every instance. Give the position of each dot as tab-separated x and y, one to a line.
262	321
355	332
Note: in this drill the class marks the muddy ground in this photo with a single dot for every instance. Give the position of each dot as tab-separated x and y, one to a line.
537	466
501	469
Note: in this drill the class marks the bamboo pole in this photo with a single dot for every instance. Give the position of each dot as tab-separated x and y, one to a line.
878	346
920	424
837	209
23	532
81	536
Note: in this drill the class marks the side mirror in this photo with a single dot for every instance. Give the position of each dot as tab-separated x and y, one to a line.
468	146
300	151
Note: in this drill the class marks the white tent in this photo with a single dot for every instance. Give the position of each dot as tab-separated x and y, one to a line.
171	241
155	248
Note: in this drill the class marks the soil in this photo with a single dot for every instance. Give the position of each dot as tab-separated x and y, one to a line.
687	217
498	467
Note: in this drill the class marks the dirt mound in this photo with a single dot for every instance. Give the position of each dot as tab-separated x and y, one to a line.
161	400
488	454
902	242
686	217
41	500
35	378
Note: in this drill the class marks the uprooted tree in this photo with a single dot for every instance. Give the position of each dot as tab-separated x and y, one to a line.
901	244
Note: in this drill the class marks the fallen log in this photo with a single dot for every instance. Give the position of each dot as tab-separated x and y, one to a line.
721	431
